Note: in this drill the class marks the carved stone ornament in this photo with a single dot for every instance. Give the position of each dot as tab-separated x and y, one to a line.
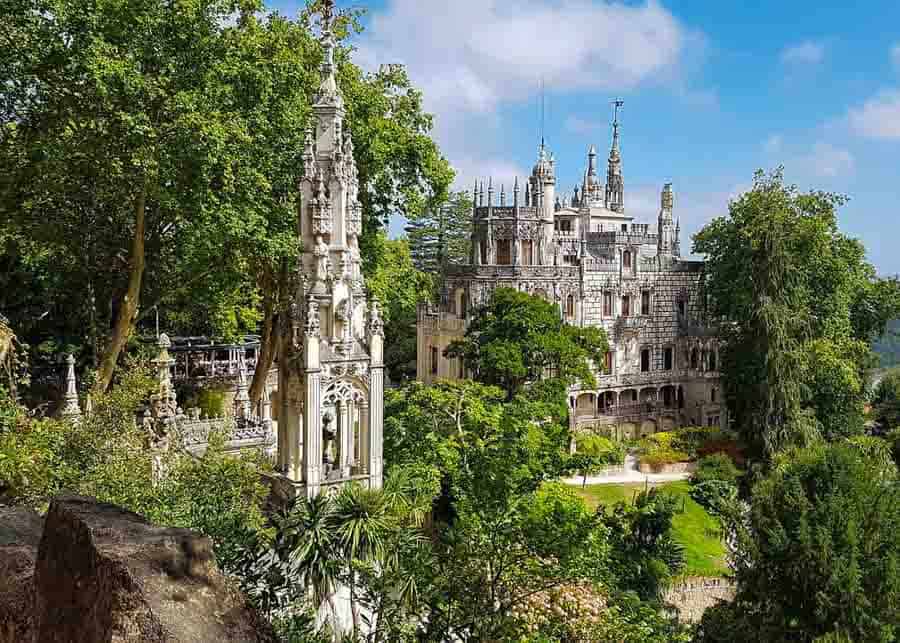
311	325
376	323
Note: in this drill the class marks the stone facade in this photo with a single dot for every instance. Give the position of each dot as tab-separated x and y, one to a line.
588	256
331	374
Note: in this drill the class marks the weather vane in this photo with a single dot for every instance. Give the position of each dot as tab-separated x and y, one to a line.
617	103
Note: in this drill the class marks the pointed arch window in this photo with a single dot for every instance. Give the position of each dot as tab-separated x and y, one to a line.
626	259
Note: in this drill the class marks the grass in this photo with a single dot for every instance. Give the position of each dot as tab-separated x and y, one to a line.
694	527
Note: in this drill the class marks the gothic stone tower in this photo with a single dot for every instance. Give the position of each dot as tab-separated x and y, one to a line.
330	361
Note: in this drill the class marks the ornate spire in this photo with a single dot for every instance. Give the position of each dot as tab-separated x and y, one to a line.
516	192
502	194
328	95
592	162
70	409
615	187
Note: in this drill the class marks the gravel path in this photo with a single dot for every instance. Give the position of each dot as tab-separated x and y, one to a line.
630	475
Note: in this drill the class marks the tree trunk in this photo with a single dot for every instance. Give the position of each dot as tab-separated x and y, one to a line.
268	344
124	323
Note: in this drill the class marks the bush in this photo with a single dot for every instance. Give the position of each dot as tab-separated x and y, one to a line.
694	438
732	448
717	466
657	457
714	495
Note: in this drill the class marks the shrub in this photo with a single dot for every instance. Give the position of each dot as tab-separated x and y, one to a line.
714	495
732	448
717	466
661	457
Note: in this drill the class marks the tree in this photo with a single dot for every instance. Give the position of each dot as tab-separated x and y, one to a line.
799	307
168	149
818	553
518	338
399	287
886	401
442	234
593	452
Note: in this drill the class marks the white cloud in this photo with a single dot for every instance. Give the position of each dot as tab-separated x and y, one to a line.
895	55
470	57
808	52
879	117
825	160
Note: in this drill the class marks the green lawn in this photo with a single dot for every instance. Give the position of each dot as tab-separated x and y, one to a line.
694	528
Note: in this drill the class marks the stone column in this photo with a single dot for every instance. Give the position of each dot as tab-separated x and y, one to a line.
376	420
362	463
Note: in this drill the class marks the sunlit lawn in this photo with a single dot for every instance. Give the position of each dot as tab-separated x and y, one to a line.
694	527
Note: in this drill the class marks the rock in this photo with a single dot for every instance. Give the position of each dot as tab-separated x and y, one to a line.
20	535
106	574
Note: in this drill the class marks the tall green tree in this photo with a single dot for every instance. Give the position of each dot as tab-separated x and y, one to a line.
518	338
799	306
818	553
441	235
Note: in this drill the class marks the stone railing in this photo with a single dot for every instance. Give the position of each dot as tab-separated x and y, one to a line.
193	433
692	596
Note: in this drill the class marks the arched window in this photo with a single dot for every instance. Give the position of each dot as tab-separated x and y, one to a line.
570	307
645	302
626	305
607	304
626	259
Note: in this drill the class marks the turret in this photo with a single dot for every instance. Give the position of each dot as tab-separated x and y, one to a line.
667	236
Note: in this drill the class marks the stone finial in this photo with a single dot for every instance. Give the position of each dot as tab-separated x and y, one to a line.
502	195
70	409
516	192
242	395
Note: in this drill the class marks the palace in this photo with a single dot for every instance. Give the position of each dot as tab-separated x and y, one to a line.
588	256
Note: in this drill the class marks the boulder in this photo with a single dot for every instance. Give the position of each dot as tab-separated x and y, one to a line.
20	535
106	574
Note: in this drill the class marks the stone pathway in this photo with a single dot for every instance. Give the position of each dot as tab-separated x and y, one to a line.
629	476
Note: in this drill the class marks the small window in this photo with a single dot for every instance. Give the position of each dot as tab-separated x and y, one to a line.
626	259
645	360
634	397
624	227
645	303
682	307
484	257
668	358
608	362
713	395
434	360
570	307
565	225
695	359
607	304
712	360
626	306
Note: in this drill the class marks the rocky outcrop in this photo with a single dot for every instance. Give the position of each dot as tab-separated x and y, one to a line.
105	574
20	535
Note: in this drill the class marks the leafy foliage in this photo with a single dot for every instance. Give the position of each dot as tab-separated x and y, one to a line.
519	338
886	401
818	552
801	306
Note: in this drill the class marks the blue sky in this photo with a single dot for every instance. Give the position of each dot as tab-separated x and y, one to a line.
712	90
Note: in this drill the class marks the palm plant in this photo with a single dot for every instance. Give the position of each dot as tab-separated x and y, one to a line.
316	557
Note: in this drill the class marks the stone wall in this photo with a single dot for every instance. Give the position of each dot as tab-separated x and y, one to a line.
692	596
